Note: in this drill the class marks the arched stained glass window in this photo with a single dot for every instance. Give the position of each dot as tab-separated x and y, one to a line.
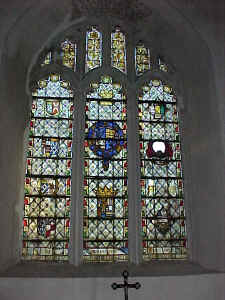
47	60
103	176
69	54
93	49
48	172
142	59
118	50
163	215
105	230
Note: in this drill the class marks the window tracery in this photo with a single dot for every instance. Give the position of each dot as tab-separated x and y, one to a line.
94	53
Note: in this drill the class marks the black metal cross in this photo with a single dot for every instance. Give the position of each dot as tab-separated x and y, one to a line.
125	285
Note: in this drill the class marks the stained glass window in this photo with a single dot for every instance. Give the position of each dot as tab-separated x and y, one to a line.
105	208
118	50
162	65
163	214
93	49
46	221
47	60
105	201
142	59
69	54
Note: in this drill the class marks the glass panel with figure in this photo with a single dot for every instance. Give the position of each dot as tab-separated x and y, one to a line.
68	54
47	59
163	213
162	65
105	206
118	50
142	59
93	49
46	223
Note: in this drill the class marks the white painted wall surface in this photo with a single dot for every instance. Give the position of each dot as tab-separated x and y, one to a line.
200	287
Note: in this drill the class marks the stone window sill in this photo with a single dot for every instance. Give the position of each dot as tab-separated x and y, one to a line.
150	269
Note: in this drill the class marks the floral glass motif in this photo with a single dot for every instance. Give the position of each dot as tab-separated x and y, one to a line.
93	49
47	60
118	50
46	224
142	59
163	213
68	54
162	65
105	207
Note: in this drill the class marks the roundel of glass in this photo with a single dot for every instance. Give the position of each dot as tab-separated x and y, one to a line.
105	207
46	224
163	213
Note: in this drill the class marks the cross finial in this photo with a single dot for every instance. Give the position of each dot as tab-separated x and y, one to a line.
125	285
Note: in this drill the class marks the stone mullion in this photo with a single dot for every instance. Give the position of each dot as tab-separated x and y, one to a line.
76	240
154	61
134	194
79	57
81	54
106	44
56	59
130	59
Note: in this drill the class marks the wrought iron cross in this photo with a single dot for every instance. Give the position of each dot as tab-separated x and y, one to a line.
125	285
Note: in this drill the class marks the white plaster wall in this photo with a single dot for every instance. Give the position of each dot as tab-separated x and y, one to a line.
201	287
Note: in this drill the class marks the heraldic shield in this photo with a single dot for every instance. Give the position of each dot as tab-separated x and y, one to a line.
113	140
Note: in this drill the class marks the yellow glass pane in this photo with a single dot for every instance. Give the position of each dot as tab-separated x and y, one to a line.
162	65
69	54
142	59
93	49
118	50
47	59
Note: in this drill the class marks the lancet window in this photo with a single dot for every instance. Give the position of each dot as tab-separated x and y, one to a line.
163	215
46	227
105	231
